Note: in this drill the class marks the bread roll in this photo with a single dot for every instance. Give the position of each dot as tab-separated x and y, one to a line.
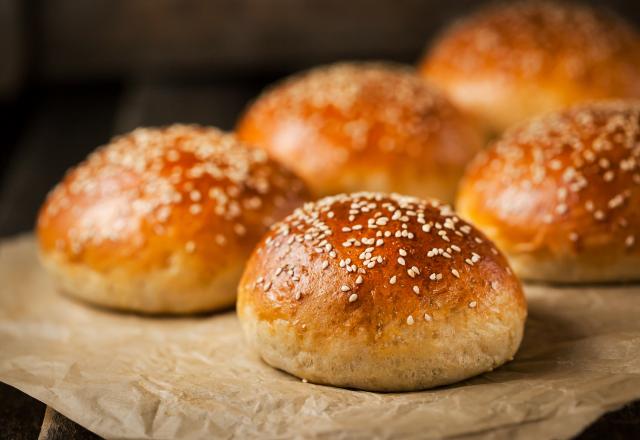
512	61
382	293
363	126
162	220
560	194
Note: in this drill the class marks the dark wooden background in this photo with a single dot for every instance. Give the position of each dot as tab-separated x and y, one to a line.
75	72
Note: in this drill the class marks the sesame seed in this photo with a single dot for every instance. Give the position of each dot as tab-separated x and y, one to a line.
427	317
629	241
195	195
392	280
455	273
239	229
401	261
402	252
325	264
353	297
267	286
410	320
416	290
473	304
345	288
608	176
359	279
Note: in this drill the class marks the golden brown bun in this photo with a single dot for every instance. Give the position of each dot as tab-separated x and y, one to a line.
162	220
382	293
509	62
560	194
363	126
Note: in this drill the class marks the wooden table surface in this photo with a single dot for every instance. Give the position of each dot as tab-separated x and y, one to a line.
55	127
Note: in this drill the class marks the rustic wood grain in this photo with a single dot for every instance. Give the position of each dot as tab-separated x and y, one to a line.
12	49
237	36
55	426
20	415
218	37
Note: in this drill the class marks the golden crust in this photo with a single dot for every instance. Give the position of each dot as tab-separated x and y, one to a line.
363	126
509	62
563	189
358	270
179	198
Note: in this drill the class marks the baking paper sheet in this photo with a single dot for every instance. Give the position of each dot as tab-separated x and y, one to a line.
127	376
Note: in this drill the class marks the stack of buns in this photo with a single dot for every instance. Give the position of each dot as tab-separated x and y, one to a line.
378	285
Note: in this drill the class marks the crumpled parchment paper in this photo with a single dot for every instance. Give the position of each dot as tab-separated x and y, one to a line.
127	376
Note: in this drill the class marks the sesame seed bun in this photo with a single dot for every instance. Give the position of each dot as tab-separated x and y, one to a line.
363	126
382	293
162	220
509	62
560	194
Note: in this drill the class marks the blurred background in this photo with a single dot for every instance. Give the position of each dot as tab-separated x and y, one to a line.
74	72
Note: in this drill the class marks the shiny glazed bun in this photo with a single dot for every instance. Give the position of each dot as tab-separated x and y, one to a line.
380	292
560	195
162	220
509	62
363	126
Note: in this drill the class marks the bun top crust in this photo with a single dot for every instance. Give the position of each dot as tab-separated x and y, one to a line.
510	52
359	118
566	181
531	39
356	262
155	192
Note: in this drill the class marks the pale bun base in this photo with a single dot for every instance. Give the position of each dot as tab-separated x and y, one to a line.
497	107
416	357
173	290
584	268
